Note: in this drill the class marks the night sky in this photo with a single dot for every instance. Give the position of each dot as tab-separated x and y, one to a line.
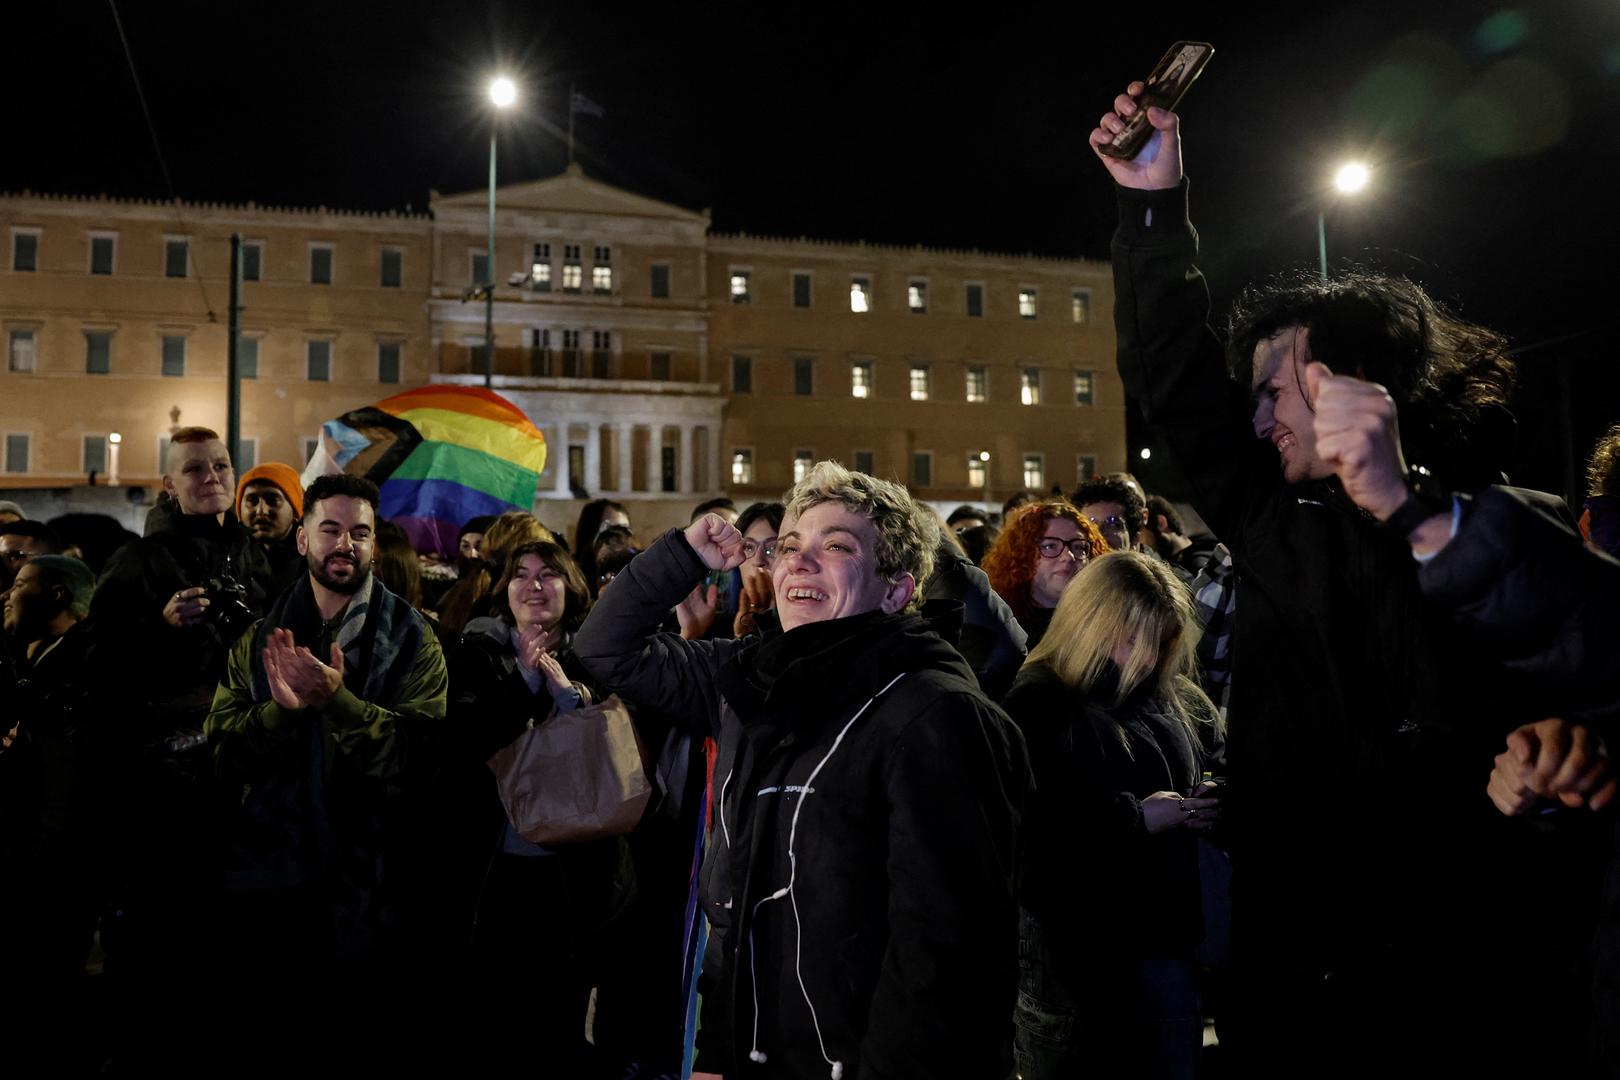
1495	133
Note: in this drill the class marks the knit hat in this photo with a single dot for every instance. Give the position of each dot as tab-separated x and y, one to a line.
284	477
9	507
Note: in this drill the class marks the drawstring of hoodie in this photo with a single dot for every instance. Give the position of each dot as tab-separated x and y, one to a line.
755	1054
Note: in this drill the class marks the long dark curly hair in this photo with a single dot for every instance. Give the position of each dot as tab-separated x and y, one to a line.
1451	379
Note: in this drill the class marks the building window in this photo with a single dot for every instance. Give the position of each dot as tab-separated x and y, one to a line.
103	249
388	361
1034	473
801	288
919	382
573	365
1029	386
1084	384
742	375
658	367
1085	467
917	296
176	254
25	250
573	274
247	453
540	352
740	285
20	350
1026	302
860	295
860	379
978	470
540	268
922	468
804	376
253	260
742	466
247	357
95	454
865	462
975	300
97	352
391	270
803	460
978	384
174	355
16	453
1080	305
320	264
601	354
659	281
477	267
602	271
318	361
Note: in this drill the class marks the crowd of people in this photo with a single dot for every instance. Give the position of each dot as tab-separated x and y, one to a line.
1037	793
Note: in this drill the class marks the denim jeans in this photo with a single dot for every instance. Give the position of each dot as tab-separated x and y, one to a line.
1132	1015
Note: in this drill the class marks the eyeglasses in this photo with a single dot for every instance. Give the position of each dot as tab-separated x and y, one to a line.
752	549
1051	547
1112	521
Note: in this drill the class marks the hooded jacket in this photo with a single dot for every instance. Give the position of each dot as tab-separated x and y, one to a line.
861	874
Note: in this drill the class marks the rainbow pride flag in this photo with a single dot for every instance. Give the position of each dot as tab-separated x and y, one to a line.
440	455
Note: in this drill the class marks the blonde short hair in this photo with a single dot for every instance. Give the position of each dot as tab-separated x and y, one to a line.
907	533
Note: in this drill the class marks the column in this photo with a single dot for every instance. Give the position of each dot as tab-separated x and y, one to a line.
622	456
683	467
557	458
593	458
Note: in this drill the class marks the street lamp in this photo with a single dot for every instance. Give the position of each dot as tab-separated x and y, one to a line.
1350	179
984	458
114	440
502	93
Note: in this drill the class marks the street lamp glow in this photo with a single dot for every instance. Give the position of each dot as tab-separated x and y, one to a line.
984	455
1351	177
115	438
1147	452
502	92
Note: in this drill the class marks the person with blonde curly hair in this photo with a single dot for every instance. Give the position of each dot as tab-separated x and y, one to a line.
1040	550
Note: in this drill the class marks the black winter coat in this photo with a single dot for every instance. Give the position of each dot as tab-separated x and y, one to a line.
859	763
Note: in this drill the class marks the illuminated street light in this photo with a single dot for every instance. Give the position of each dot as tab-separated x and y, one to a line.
1147	453
113	442
1351	178
502	93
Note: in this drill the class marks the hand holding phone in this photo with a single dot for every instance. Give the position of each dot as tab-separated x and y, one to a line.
1168	83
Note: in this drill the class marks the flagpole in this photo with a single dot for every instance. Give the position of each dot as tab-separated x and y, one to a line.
570	123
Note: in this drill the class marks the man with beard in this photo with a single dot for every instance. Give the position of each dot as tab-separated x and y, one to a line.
269	501
321	701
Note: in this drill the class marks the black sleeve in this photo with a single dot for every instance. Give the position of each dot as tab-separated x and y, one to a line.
1173	365
1536	597
621	646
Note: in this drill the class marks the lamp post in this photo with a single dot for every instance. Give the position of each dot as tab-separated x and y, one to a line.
984	458
114	441
1351	179
502	93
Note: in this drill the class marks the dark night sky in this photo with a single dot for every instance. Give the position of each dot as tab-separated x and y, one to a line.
1496	131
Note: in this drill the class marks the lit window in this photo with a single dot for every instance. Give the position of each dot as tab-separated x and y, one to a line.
540	268
739	286
919	382
978	471
917	297
802	462
21	351
860	295
1081	305
573	276
860	379
1026	303
978	384
742	466
602	279
1084	384
1029	389
1034	478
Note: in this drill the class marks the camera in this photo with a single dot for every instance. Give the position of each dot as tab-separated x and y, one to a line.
227	609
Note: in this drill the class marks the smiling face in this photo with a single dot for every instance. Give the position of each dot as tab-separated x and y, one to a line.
1281	413
759	534
338	537
29	605
1052	576
266	512
826	568
536	594
200	477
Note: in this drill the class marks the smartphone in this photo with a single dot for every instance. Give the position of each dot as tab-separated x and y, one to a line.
1172	76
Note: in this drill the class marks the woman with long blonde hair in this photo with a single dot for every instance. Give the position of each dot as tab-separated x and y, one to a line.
1117	730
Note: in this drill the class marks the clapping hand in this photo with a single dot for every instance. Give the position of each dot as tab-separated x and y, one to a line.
297	678
1552	759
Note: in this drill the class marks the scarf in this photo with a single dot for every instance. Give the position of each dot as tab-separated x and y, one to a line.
377	632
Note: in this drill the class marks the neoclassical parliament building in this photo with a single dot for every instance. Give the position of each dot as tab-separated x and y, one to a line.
665	362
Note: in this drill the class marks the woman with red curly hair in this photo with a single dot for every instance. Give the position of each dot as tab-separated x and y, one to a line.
1042	546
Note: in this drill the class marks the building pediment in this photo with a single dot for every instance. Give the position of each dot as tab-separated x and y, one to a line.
570	192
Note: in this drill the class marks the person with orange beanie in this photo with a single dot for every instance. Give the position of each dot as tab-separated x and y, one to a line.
269	502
